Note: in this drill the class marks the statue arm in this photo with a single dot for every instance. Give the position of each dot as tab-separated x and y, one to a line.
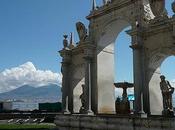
169	84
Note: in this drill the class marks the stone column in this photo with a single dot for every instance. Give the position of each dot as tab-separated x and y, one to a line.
65	82
137	67
88	81
139	75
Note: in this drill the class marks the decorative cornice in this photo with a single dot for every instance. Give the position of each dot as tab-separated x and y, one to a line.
133	32
161	26
81	48
109	8
64	51
66	55
154	28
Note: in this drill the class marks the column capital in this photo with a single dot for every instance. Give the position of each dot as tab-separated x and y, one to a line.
135	32
89	52
136	46
64	52
65	64
66	55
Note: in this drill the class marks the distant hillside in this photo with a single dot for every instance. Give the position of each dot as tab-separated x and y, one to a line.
50	92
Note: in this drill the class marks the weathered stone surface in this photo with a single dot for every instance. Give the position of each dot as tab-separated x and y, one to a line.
108	122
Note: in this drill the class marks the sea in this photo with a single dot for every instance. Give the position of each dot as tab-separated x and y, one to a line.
25	106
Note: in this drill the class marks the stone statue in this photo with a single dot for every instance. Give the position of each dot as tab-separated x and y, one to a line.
82	31
158	7
83	100
65	42
167	91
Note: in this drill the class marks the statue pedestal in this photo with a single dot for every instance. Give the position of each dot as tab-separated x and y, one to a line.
122	108
143	114
168	113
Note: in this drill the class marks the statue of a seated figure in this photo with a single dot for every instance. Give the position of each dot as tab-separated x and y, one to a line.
167	91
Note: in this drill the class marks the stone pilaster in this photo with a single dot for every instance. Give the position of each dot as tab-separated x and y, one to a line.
65	80
137	76
88	55
138	67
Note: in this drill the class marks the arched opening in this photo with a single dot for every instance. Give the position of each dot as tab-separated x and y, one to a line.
168	7
76	85
106	65
123	57
168	4
123	60
159	65
167	69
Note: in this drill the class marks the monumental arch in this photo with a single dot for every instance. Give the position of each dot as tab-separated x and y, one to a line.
88	67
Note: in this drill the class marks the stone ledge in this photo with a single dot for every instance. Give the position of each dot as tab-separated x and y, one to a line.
113	122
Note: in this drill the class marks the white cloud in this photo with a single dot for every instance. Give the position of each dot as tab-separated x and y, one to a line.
173	83
27	74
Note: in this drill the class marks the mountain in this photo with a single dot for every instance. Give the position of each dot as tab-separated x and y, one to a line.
49	93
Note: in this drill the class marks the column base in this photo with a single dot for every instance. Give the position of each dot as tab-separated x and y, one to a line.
143	114
90	112
66	112
168	113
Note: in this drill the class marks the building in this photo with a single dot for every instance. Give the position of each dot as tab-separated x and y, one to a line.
89	66
7	106
51	107
25	106
15	105
1	106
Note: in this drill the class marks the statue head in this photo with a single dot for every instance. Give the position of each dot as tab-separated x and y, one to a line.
162	77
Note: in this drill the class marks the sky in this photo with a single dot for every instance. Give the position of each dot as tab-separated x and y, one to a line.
31	34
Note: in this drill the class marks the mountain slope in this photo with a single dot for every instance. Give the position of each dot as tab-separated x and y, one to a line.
26	92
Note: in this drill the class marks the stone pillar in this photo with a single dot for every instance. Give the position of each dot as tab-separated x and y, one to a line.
88	81
88	84
137	66
65	81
